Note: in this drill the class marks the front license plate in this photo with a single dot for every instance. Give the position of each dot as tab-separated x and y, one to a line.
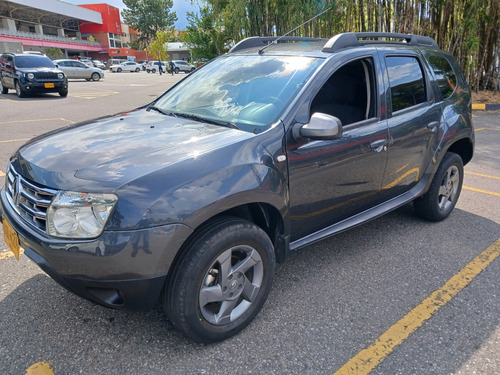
49	85
11	238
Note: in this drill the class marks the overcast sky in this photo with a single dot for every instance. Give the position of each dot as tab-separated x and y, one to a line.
180	8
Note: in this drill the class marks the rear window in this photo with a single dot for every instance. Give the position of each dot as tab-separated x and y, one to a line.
445	76
406	81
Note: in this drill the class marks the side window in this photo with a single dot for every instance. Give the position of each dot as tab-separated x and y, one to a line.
445	76
349	94
406	81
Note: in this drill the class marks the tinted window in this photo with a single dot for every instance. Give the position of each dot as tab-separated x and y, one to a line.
445	76
406	80
30	61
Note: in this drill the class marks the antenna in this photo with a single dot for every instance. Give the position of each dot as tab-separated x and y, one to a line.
261	51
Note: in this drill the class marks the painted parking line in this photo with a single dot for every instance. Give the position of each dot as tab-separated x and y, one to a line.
10	254
367	359
36	120
482	175
481	191
40	368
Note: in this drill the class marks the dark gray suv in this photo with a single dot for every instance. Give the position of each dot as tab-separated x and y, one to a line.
29	74
278	144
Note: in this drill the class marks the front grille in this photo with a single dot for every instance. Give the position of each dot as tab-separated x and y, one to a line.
29	200
46	76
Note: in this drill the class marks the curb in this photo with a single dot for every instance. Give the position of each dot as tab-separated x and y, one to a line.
486	107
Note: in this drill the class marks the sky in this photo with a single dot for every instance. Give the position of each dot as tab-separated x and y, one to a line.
180	8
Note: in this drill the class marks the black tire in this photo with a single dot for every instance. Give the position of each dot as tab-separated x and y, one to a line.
96	77
438	203
63	93
153	70
176	70
4	89
137	70
19	90
119	70
221	281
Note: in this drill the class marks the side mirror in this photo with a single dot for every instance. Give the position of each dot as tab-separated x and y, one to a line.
321	126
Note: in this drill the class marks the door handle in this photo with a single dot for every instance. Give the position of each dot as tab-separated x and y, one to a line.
432	126
379	145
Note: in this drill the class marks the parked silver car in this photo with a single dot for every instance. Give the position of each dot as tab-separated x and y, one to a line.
182	66
75	69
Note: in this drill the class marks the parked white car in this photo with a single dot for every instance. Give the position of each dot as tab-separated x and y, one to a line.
128	66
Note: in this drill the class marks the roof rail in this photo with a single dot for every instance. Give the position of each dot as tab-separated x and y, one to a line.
257	41
345	40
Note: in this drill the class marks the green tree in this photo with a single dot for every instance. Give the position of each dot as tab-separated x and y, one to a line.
159	47
54	53
148	17
205	35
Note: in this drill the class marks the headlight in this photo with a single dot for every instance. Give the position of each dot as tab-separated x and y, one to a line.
79	215
30	75
60	75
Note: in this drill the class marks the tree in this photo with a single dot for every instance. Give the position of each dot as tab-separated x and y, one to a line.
159	46
54	53
205	36
148	17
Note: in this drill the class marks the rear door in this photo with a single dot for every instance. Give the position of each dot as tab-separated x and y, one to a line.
413	121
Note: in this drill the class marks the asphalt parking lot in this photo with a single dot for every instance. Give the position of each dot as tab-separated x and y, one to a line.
395	296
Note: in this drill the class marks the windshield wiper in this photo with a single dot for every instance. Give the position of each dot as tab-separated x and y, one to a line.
173	114
227	124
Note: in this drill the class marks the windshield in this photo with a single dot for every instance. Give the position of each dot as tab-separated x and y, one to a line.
33	62
249	92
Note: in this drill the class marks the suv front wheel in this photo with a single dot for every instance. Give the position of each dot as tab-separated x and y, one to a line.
221	281
4	89
19	90
439	201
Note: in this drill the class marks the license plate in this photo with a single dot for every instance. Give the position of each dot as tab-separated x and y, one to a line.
49	85
11	238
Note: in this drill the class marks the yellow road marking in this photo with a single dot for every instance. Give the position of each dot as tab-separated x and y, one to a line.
10	254
479	129
2	173
478	106
367	359
483	175
36	120
40	368
16	140
481	191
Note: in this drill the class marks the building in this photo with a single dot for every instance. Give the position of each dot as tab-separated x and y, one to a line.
33	25
90	30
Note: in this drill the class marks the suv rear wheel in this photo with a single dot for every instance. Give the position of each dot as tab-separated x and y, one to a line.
439	201
222	280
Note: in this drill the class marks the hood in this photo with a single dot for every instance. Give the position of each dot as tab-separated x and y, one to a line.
107	153
39	70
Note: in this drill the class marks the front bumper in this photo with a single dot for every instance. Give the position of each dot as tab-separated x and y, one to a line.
119	269
40	86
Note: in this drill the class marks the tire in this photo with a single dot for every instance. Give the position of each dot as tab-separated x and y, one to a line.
221	280
137	70
119	70
153	70
4	89
96	77
19	90
438	203
148	71
176	70
63	93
